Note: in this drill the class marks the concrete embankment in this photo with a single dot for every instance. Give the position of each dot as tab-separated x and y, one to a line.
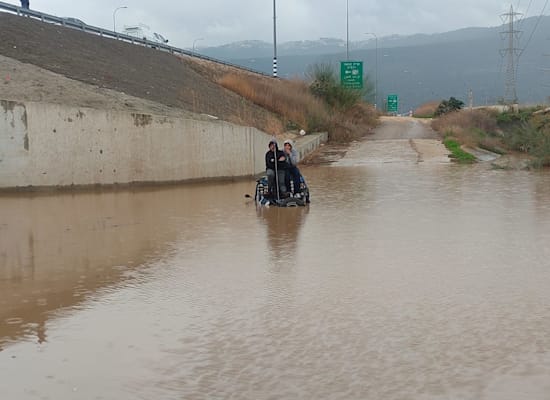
306	145
52	145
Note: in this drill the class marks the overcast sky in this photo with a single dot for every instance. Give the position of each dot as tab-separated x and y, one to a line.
222	21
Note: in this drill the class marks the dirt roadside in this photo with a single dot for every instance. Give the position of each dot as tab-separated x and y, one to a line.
26	82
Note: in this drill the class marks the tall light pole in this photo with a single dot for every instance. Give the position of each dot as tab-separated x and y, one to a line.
195	41
114	16
375	69
347	30
274	39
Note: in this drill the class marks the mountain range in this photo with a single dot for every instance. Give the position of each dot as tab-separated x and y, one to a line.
421	67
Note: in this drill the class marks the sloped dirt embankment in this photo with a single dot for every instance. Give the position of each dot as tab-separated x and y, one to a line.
123	67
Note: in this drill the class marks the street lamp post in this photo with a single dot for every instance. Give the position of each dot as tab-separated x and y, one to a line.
347	30
195	41
375	69
274	39
114	16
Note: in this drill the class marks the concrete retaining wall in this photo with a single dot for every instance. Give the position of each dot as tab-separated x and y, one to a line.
307	144
57	145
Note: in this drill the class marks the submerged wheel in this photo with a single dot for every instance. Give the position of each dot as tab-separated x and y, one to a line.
306	195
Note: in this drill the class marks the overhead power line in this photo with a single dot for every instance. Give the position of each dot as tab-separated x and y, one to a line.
525	14
535	27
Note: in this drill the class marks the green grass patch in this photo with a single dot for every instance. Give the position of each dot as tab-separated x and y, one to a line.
428	116
457	153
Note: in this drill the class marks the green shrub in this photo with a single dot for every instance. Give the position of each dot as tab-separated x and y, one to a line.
324	84
519	116
533	140
447	106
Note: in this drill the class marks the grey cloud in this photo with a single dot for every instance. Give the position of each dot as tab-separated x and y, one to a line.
219	21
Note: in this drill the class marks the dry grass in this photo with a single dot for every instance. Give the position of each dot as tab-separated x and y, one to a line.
353	124
500	132
298	108
469	127
289	99
289	105
427	110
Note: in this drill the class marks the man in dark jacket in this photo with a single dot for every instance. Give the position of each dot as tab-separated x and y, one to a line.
275	160
25	4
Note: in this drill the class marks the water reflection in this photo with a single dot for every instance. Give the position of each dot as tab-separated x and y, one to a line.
58	249
283	227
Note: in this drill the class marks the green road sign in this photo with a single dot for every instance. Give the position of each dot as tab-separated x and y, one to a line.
393	103
351	74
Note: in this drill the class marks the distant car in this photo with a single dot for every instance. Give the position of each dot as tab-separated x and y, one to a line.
74	21
142	31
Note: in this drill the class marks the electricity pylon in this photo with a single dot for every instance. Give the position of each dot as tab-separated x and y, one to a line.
511	53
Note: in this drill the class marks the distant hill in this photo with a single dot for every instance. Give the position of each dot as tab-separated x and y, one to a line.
324	46
258	48
420	67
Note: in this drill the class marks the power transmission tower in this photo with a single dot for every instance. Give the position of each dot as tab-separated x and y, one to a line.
511	53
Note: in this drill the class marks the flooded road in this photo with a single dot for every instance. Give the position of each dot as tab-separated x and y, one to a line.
404	279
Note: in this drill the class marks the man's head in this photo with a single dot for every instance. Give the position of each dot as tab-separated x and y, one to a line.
272	145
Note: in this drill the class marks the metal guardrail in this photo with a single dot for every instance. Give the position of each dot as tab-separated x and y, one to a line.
114	35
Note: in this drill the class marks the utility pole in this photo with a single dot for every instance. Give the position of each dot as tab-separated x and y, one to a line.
375	69
471	99
511	53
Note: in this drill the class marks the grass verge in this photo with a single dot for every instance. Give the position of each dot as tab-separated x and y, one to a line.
457	153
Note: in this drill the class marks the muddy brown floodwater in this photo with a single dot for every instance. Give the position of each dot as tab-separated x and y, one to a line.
404	279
